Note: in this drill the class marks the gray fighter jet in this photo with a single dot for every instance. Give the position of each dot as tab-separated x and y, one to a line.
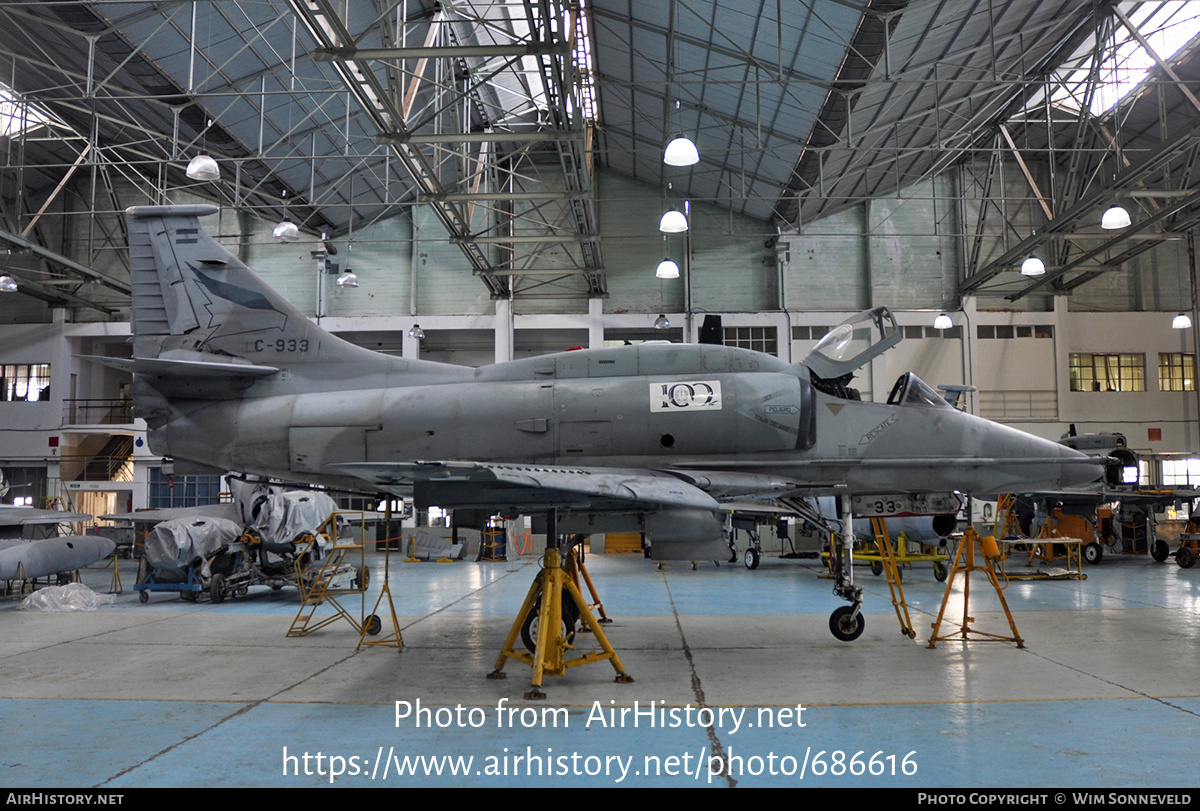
230	376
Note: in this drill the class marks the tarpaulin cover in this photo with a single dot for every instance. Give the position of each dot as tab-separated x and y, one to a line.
173	546
285	516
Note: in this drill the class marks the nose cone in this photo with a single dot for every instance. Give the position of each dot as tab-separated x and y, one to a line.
1025	462
104	547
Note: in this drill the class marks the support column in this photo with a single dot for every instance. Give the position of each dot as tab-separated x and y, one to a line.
504	331
410	347
595	323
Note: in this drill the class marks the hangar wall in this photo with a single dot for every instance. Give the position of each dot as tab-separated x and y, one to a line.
904	252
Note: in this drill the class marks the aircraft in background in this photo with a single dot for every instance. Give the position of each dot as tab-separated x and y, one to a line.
28	560
31	523
23	556
230	376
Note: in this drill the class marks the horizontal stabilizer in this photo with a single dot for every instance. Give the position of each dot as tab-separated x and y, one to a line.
165	367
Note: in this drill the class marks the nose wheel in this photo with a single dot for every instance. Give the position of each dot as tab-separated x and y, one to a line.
847	623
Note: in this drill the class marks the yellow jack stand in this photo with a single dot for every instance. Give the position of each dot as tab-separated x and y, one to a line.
549	654
576	568
890	570
114	586
989	551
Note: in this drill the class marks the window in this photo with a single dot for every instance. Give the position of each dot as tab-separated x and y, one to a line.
17	115
1176	371
1123	63
809	333
182	491
760	339
1181	472
25	382
1010	331
1108	372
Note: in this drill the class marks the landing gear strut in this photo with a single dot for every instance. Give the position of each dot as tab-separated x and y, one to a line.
847	622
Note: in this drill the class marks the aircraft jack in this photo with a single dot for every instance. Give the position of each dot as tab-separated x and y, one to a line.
576	569
990	552
114	585
549	655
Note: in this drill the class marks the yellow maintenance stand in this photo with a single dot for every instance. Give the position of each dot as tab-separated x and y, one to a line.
965	562
546	598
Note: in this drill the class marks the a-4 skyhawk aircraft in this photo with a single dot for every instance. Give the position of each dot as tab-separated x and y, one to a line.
230	376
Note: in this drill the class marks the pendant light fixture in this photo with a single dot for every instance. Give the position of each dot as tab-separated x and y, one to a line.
286	231
1114	218
673	222
1033	266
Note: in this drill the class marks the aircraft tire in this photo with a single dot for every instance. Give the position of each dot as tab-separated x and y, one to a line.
1093	553
529	629
1185	557
362	578
751	558
216	588
1160	551
844	628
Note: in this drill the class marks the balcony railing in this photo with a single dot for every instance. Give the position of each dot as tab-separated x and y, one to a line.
97	412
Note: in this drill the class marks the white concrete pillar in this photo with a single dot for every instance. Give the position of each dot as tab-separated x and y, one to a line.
410	347
595	323
504	331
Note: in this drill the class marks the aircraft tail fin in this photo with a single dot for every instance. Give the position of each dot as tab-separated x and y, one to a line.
195	302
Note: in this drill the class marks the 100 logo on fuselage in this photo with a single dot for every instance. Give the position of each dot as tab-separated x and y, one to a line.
693	395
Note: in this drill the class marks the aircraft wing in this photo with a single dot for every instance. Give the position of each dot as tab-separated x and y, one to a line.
532	487
226	510
11	516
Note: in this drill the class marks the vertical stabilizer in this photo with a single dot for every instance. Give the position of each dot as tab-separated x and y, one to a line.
192	298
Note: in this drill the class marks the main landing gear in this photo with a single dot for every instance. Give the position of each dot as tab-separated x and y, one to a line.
546	622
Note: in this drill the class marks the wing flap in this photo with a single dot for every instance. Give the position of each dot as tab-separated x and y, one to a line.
501	486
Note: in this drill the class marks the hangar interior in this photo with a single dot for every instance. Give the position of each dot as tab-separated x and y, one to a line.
474	181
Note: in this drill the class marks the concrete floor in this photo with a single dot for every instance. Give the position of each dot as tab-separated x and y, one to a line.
1105	693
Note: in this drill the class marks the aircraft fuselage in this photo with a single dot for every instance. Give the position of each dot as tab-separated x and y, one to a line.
649	407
